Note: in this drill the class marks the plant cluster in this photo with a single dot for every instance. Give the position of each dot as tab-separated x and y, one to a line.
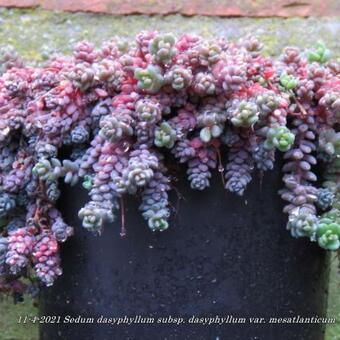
112	118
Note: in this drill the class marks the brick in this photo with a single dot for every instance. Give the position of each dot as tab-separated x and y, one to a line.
253	8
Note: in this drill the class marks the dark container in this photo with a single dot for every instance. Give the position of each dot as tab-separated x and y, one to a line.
222	256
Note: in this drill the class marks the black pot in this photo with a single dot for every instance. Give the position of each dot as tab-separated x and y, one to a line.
222	256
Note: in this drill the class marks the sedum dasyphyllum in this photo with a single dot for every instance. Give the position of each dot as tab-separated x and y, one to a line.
113	119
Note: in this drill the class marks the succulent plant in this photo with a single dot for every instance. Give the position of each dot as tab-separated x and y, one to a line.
212	122
93	217
280	138
52	190
148	111
328	231
46	258
303	224
246	115
48	169
150	79
79	135
263	157
3	252
81	76
288	82
162	48
204	84
158	221
329	145
239	168
140	169
113	118
198	175
320	54
61	230
114	129
110	73
233	77
179	77
325	198
165	136
7	203
155	202
267	102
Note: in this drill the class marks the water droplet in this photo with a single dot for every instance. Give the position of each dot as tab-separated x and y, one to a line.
126	146
221	168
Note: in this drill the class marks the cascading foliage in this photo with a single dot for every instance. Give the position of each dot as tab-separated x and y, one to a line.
114	118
